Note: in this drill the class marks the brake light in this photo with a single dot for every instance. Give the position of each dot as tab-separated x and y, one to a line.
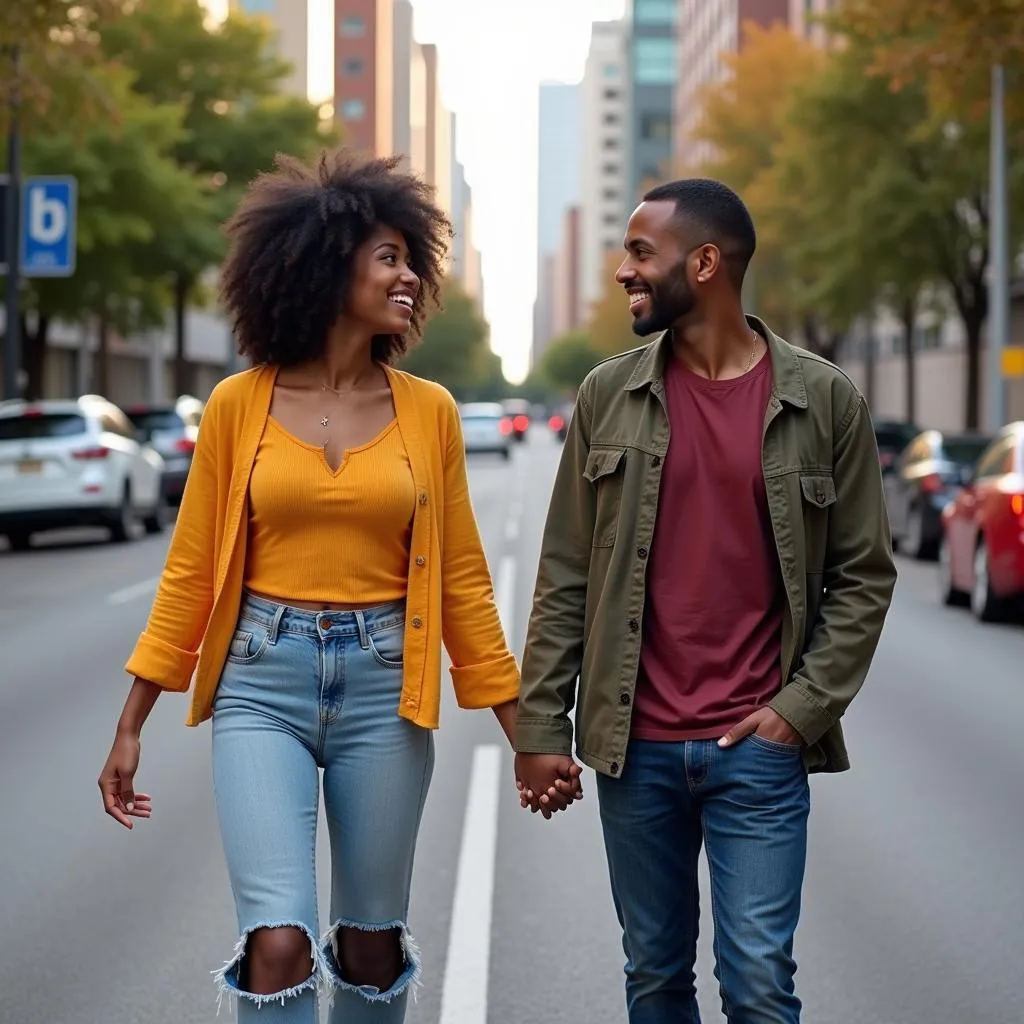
556	423
185	445
89	454
32	413
1017	504
521	422
505	426
932	483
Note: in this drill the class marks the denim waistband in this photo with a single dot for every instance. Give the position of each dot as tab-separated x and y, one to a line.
353	622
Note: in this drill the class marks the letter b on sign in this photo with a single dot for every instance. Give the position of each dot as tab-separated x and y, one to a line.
48	216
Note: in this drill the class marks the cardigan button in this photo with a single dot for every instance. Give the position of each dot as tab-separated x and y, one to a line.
417	622
423	499
420	560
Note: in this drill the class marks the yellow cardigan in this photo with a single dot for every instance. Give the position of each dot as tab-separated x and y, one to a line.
450	596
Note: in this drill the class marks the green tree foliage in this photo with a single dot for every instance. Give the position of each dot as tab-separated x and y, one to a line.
567	360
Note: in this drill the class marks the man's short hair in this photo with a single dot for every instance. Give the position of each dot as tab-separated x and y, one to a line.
716	210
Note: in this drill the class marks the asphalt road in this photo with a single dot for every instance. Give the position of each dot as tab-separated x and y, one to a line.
914	902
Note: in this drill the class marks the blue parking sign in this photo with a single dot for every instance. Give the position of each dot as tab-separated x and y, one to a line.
48	219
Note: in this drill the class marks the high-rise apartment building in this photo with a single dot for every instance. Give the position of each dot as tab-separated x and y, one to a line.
364	73
558	188
653	72
566	310
403	42
707	31
606	160
289	20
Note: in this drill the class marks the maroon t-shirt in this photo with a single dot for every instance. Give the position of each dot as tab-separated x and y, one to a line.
713	616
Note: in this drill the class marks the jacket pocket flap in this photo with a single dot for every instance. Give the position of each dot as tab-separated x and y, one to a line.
602	462
819	490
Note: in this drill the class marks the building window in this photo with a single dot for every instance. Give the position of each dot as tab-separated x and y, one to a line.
612	94
352	27
611	194
353	110
610	119
610	144
655	12
611	170
654	61
611	220
656	127
352	67
610	71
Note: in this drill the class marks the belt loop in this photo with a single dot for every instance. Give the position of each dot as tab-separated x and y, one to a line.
364	640
275	624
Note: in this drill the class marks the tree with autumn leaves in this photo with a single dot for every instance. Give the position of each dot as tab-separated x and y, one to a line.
865	165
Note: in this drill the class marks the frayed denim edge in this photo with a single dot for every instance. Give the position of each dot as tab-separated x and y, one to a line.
229	986
408	979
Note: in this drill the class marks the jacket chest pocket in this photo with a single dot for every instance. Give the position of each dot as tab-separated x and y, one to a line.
818	493
605	469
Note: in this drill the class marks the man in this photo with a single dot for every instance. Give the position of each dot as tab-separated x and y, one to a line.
716	569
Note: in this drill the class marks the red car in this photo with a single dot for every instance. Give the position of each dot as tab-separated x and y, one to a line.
981	554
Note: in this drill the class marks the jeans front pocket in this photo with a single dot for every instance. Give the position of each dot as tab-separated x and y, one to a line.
774	746
387	645
248	644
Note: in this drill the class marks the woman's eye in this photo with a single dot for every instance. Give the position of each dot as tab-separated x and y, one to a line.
391	258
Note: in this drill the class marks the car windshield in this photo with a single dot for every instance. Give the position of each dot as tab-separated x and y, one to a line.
24	428
481	417
151	420
964	451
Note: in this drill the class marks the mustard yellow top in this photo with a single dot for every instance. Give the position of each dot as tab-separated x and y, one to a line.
330	535
449	596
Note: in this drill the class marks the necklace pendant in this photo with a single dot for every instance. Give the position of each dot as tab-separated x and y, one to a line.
323	422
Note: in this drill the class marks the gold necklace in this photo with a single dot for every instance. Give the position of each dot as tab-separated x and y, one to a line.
753	349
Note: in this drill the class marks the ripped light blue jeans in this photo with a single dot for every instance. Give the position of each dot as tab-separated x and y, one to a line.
303	692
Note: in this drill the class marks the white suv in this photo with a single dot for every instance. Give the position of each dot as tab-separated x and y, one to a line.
75	463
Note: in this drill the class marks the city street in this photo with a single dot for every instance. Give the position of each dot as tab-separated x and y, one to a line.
914	904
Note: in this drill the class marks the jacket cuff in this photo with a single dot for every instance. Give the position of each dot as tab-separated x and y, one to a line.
486	685
159	662
543	736
803	712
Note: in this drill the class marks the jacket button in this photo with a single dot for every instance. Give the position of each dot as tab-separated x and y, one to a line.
624	699
656	461
417	622
615	767
641	552
634	625
820	497
420	560
423	499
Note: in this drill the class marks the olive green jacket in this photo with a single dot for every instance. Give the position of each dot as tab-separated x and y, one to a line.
824	487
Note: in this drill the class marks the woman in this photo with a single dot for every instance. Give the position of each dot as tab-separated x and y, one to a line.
325	546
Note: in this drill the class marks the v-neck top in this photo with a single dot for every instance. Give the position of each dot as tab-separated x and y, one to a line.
318	534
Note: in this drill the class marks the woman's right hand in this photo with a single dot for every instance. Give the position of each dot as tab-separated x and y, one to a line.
116	781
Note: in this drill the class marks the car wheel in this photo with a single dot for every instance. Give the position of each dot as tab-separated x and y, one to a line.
912	541
20	540
506	454
124	525
947	592
985	605
157	519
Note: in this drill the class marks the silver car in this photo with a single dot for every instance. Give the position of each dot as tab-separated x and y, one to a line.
486	428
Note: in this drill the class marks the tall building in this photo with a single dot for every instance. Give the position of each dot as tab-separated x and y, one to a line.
466	264
653	73
364	73
403	42
802	15
289	20
438	152
558	188
566	310
606	162
707	31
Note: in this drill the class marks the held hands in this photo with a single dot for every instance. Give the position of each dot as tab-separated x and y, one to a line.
766	723
547	782
116	782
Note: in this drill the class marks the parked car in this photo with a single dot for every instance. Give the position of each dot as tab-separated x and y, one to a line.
925	479
892	436
518	411
981	553
172	429
75	463
559	422
486	428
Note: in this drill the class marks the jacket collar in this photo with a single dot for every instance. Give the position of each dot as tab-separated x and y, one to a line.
787	374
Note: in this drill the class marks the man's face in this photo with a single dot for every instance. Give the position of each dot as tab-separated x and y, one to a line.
654	272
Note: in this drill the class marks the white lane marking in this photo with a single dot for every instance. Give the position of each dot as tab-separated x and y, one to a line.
464	996
512	529
505	593
126	594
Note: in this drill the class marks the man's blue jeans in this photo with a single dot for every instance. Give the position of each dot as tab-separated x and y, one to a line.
748	806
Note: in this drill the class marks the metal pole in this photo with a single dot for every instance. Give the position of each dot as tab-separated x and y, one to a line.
12	333
999	249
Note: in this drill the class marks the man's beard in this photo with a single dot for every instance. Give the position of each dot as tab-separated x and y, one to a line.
668	303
